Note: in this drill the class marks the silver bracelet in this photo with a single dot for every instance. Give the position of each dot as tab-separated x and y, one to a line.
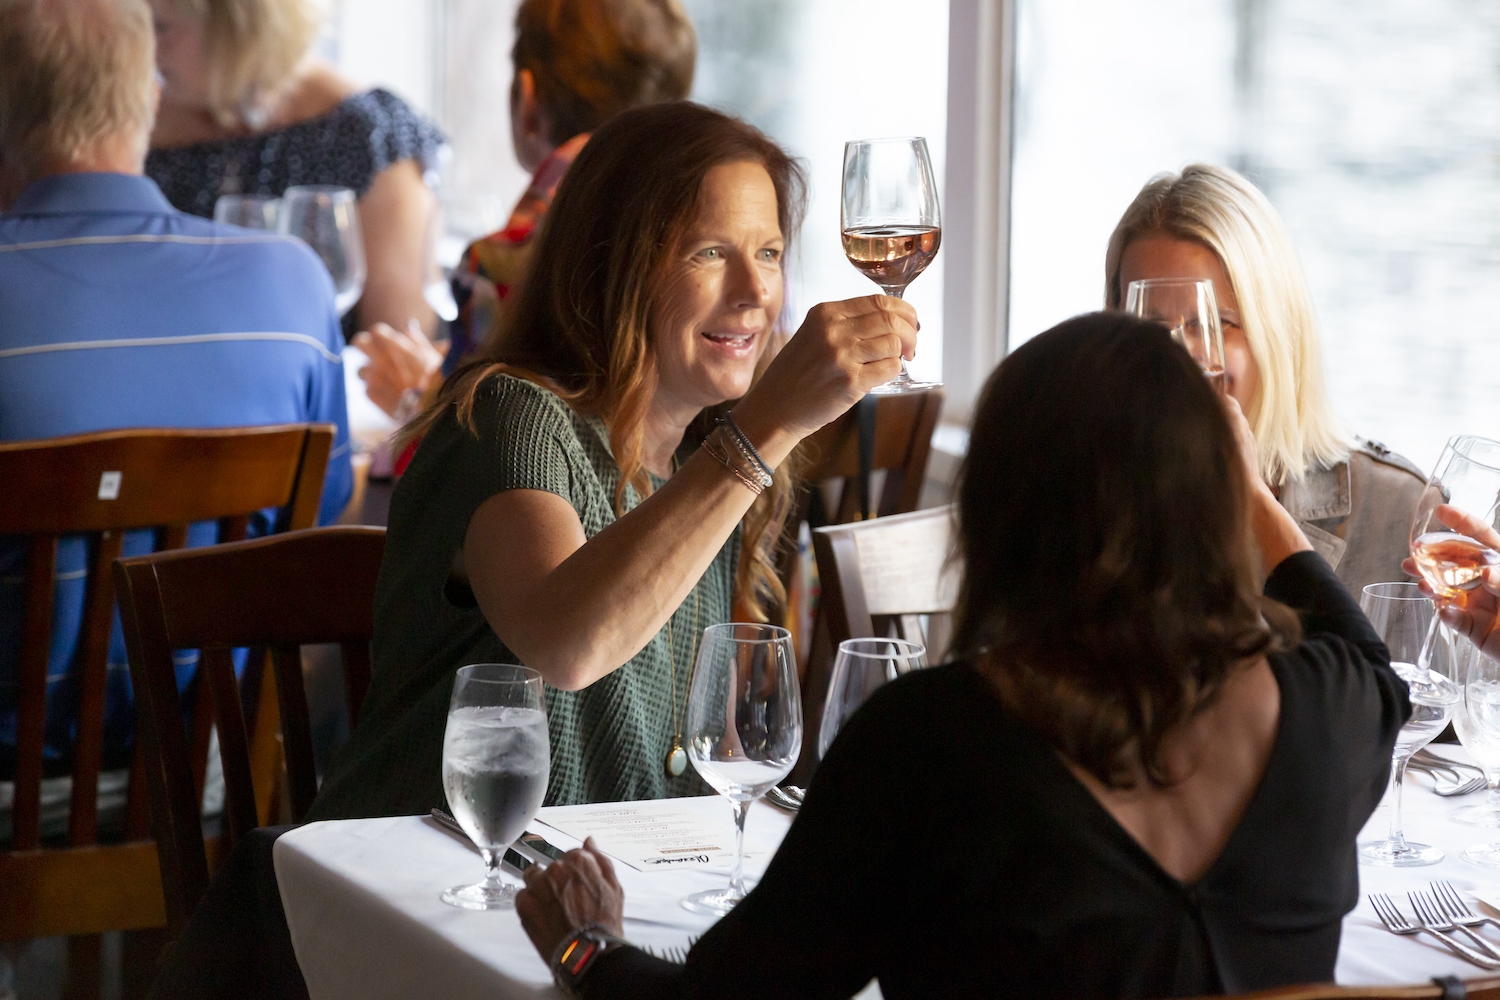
747	449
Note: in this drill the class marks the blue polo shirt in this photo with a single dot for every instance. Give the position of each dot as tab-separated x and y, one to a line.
118	311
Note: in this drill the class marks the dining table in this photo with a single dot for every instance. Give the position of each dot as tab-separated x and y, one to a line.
362	902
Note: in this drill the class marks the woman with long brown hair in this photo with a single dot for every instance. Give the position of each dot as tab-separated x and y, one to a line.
1141	779
591	494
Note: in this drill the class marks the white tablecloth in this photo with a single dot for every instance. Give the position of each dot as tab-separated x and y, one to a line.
361	900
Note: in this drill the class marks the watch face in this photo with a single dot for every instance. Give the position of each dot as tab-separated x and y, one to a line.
576	957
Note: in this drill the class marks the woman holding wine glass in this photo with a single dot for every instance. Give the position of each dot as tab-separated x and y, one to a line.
1094	800
596	489
1353	498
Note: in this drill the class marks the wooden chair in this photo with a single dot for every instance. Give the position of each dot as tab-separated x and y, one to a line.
279	593
103	485
880	578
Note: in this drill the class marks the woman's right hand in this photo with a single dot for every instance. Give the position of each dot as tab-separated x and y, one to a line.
843	350
1477	617
1277	534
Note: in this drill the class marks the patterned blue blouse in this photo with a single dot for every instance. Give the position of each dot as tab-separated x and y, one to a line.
347	146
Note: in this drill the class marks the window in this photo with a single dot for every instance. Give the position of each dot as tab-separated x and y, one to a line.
1373	127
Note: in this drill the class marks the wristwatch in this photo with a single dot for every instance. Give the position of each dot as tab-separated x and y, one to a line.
577	954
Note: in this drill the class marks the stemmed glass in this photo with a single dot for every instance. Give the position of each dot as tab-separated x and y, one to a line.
890	220
861	666
252	211
1465	484
1477	722
1400	613
1189	309
496	755
327	220
744	729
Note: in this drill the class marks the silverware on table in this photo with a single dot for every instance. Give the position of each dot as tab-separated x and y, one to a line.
1456	909
1429	763
1396	923
677	954
1432	915
517	863
780	797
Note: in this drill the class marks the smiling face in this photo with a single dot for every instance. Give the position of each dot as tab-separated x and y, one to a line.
721	293
181	56
1162	256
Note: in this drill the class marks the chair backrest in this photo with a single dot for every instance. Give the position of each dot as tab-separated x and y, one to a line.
103	485
277	593
880	578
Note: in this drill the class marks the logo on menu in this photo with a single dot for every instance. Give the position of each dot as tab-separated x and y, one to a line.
689	859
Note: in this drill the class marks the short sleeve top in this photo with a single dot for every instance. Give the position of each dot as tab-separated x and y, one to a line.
346	147
609	740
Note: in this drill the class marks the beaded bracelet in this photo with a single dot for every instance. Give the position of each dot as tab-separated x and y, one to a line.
717	449
748	450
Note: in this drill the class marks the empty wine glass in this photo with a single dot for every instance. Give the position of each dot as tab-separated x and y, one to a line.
1400	613
1477	722
861	666
1189	309
890	220
1464	483
744	729
327	220
252	211
496	755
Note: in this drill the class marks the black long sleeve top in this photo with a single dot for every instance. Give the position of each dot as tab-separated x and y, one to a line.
947	850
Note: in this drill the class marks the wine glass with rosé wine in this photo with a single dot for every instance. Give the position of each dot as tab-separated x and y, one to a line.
1462	493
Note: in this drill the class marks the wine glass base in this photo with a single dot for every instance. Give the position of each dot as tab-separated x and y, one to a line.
481	896
1484	855
1476	815
1385	854
899	385
714	902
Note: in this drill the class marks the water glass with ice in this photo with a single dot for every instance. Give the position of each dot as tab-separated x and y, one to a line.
1401	614
744	729
496	755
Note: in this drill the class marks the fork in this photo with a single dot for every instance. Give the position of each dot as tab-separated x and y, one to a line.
1456	909
1396	923
674	953
1429	914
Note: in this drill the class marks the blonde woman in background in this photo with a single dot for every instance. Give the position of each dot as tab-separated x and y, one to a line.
246	109
1353	498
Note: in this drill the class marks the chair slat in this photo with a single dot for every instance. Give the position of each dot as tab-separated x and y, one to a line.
234	529
201	731
356	678
137	795
265	749
88	745
234	750
174	536
296	729
31	724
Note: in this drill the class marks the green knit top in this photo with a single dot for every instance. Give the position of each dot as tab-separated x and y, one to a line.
609	740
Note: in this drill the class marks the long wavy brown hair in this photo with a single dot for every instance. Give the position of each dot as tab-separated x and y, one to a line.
1110	573
580	322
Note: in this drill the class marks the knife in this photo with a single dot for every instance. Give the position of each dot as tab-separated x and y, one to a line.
518	862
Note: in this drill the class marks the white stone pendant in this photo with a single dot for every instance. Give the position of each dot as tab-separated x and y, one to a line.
676	760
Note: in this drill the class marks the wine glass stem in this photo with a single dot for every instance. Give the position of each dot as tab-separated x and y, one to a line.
898	292
1424	658
737	873
491	869
1398	773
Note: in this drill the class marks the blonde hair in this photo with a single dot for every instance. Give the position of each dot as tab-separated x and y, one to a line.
75	72
1294	423
251	45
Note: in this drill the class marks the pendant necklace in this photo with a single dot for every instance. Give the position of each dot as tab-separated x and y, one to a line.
676	761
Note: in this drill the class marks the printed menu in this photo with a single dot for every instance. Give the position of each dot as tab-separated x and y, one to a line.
657	835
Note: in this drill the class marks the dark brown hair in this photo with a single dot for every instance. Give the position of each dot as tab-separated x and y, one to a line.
594	58
580	322
1110	574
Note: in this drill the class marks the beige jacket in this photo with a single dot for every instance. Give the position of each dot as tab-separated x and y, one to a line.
1357	514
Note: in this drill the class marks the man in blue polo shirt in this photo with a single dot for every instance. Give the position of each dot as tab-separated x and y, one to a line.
118	311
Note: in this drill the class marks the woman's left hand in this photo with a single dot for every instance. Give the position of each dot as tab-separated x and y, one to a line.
577	889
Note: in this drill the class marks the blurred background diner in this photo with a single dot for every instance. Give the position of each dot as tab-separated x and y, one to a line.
1324	171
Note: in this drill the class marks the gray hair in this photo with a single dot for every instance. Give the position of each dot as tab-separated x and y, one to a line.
76	72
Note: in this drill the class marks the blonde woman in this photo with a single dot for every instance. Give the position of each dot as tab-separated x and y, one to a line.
246	109
1353	498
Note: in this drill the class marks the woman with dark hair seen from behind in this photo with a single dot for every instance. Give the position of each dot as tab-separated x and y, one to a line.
574	504
1095	800
1353	498
576	63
